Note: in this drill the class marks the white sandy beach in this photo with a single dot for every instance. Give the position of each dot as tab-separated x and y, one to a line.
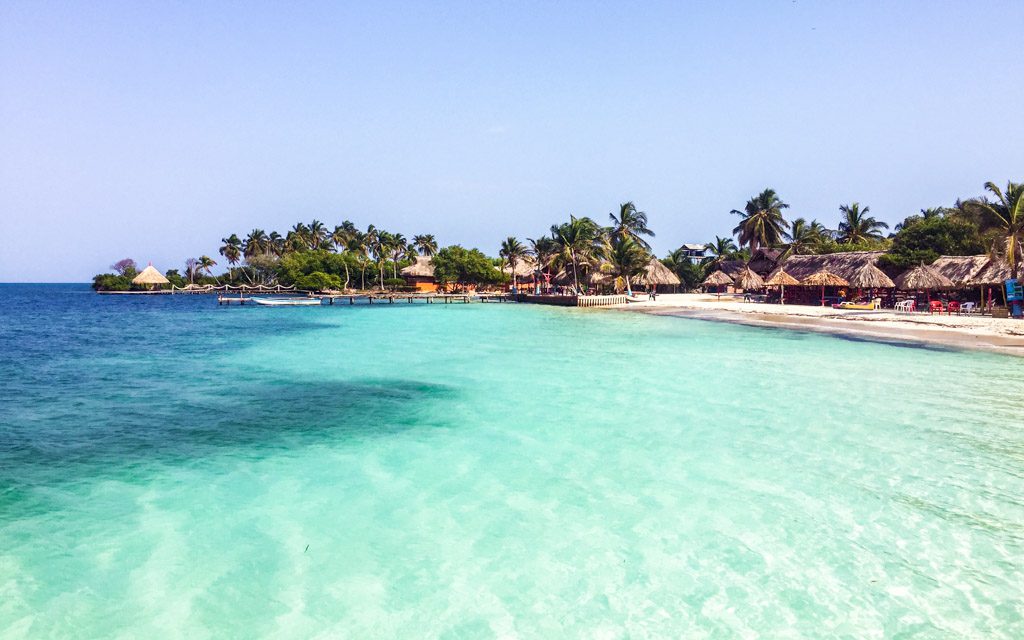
963	332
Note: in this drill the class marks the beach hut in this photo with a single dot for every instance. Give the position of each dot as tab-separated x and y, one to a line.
717	279
923	278
748	279
420	274
870	277
656	274
995	271
824	278
780	279
150	277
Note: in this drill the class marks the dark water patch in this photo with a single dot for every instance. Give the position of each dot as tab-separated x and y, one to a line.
48	445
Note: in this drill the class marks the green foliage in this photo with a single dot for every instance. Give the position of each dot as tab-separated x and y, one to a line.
293	266
176	279
928	238
394	283
690	274
457	265
830	245
111	282
318	281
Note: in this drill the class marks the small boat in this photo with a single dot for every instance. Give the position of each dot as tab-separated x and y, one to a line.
287	302
636	298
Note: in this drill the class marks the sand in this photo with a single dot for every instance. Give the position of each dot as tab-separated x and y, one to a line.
960	332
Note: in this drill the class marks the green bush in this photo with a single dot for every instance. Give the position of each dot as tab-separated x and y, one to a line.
318	281
111	282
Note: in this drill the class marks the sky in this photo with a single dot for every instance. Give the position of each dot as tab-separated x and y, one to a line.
153	130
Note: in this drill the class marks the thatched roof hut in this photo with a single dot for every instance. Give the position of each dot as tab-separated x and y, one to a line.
764	260
994	272
824	278
525	268
717	279
150	276
422	268
747	279
843	264
656	274
923	277
869	276
781	278
961	270
732	268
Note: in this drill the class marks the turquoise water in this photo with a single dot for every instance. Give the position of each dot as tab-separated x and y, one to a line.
171	468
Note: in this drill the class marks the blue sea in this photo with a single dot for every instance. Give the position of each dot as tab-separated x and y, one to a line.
171	468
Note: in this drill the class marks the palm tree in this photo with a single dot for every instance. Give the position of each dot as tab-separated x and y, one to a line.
857	226
256	243
722	249
425	244
1005	213
631	223
357	245
762	224
340	239
232	251
206	263
512	252
805	237
298	238
544	250
317	234
578	242
625	258
398	248
276	243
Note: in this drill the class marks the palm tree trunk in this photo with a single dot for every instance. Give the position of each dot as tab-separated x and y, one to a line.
575	276
346	276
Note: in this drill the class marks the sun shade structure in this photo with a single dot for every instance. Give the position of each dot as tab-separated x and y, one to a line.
656	273
923	277
150	276
869	276
780	279
422	268
824	278
747	279
717	279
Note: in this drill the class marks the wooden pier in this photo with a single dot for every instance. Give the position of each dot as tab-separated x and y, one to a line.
573	301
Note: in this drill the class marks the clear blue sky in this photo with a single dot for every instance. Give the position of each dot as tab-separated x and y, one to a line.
153	130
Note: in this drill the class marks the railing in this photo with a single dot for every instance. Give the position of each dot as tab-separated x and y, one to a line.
599	301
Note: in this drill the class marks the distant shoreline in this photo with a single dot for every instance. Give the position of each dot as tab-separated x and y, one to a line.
966	333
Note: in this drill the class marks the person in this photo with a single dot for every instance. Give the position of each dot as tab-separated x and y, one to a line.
653	294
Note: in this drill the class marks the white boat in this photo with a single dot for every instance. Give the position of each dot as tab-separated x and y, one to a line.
287	302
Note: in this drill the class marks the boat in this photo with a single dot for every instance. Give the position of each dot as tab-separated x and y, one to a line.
287	302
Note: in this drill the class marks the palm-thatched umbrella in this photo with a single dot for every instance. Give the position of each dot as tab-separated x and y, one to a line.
780	279
150	276
747	279
824	278
923	277
717	279
868	276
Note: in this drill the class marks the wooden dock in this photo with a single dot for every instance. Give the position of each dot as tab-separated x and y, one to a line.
573	301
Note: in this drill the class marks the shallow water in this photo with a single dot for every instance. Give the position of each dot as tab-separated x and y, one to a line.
170	467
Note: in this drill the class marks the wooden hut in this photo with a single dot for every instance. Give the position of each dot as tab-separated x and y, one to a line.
150	277
824	278
420	274
748	280
525	273
718	279
961	270
781	279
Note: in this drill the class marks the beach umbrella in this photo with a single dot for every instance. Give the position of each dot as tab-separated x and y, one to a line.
747	279
780	279
150	276
824	278
717	279
923	277
868	276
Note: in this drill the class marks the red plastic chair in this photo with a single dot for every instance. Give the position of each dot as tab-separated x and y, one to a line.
953	307
935	306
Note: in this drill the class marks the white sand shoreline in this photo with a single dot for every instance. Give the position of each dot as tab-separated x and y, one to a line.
979	333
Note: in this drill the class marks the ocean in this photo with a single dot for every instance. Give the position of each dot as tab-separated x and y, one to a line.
171	468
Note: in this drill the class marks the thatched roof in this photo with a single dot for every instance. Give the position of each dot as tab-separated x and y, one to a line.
780	277
656	273
843	264
824	278
747	279
994	272
525	268
732	268
961	270
717	279
422	268
870	277
923	277
150	275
